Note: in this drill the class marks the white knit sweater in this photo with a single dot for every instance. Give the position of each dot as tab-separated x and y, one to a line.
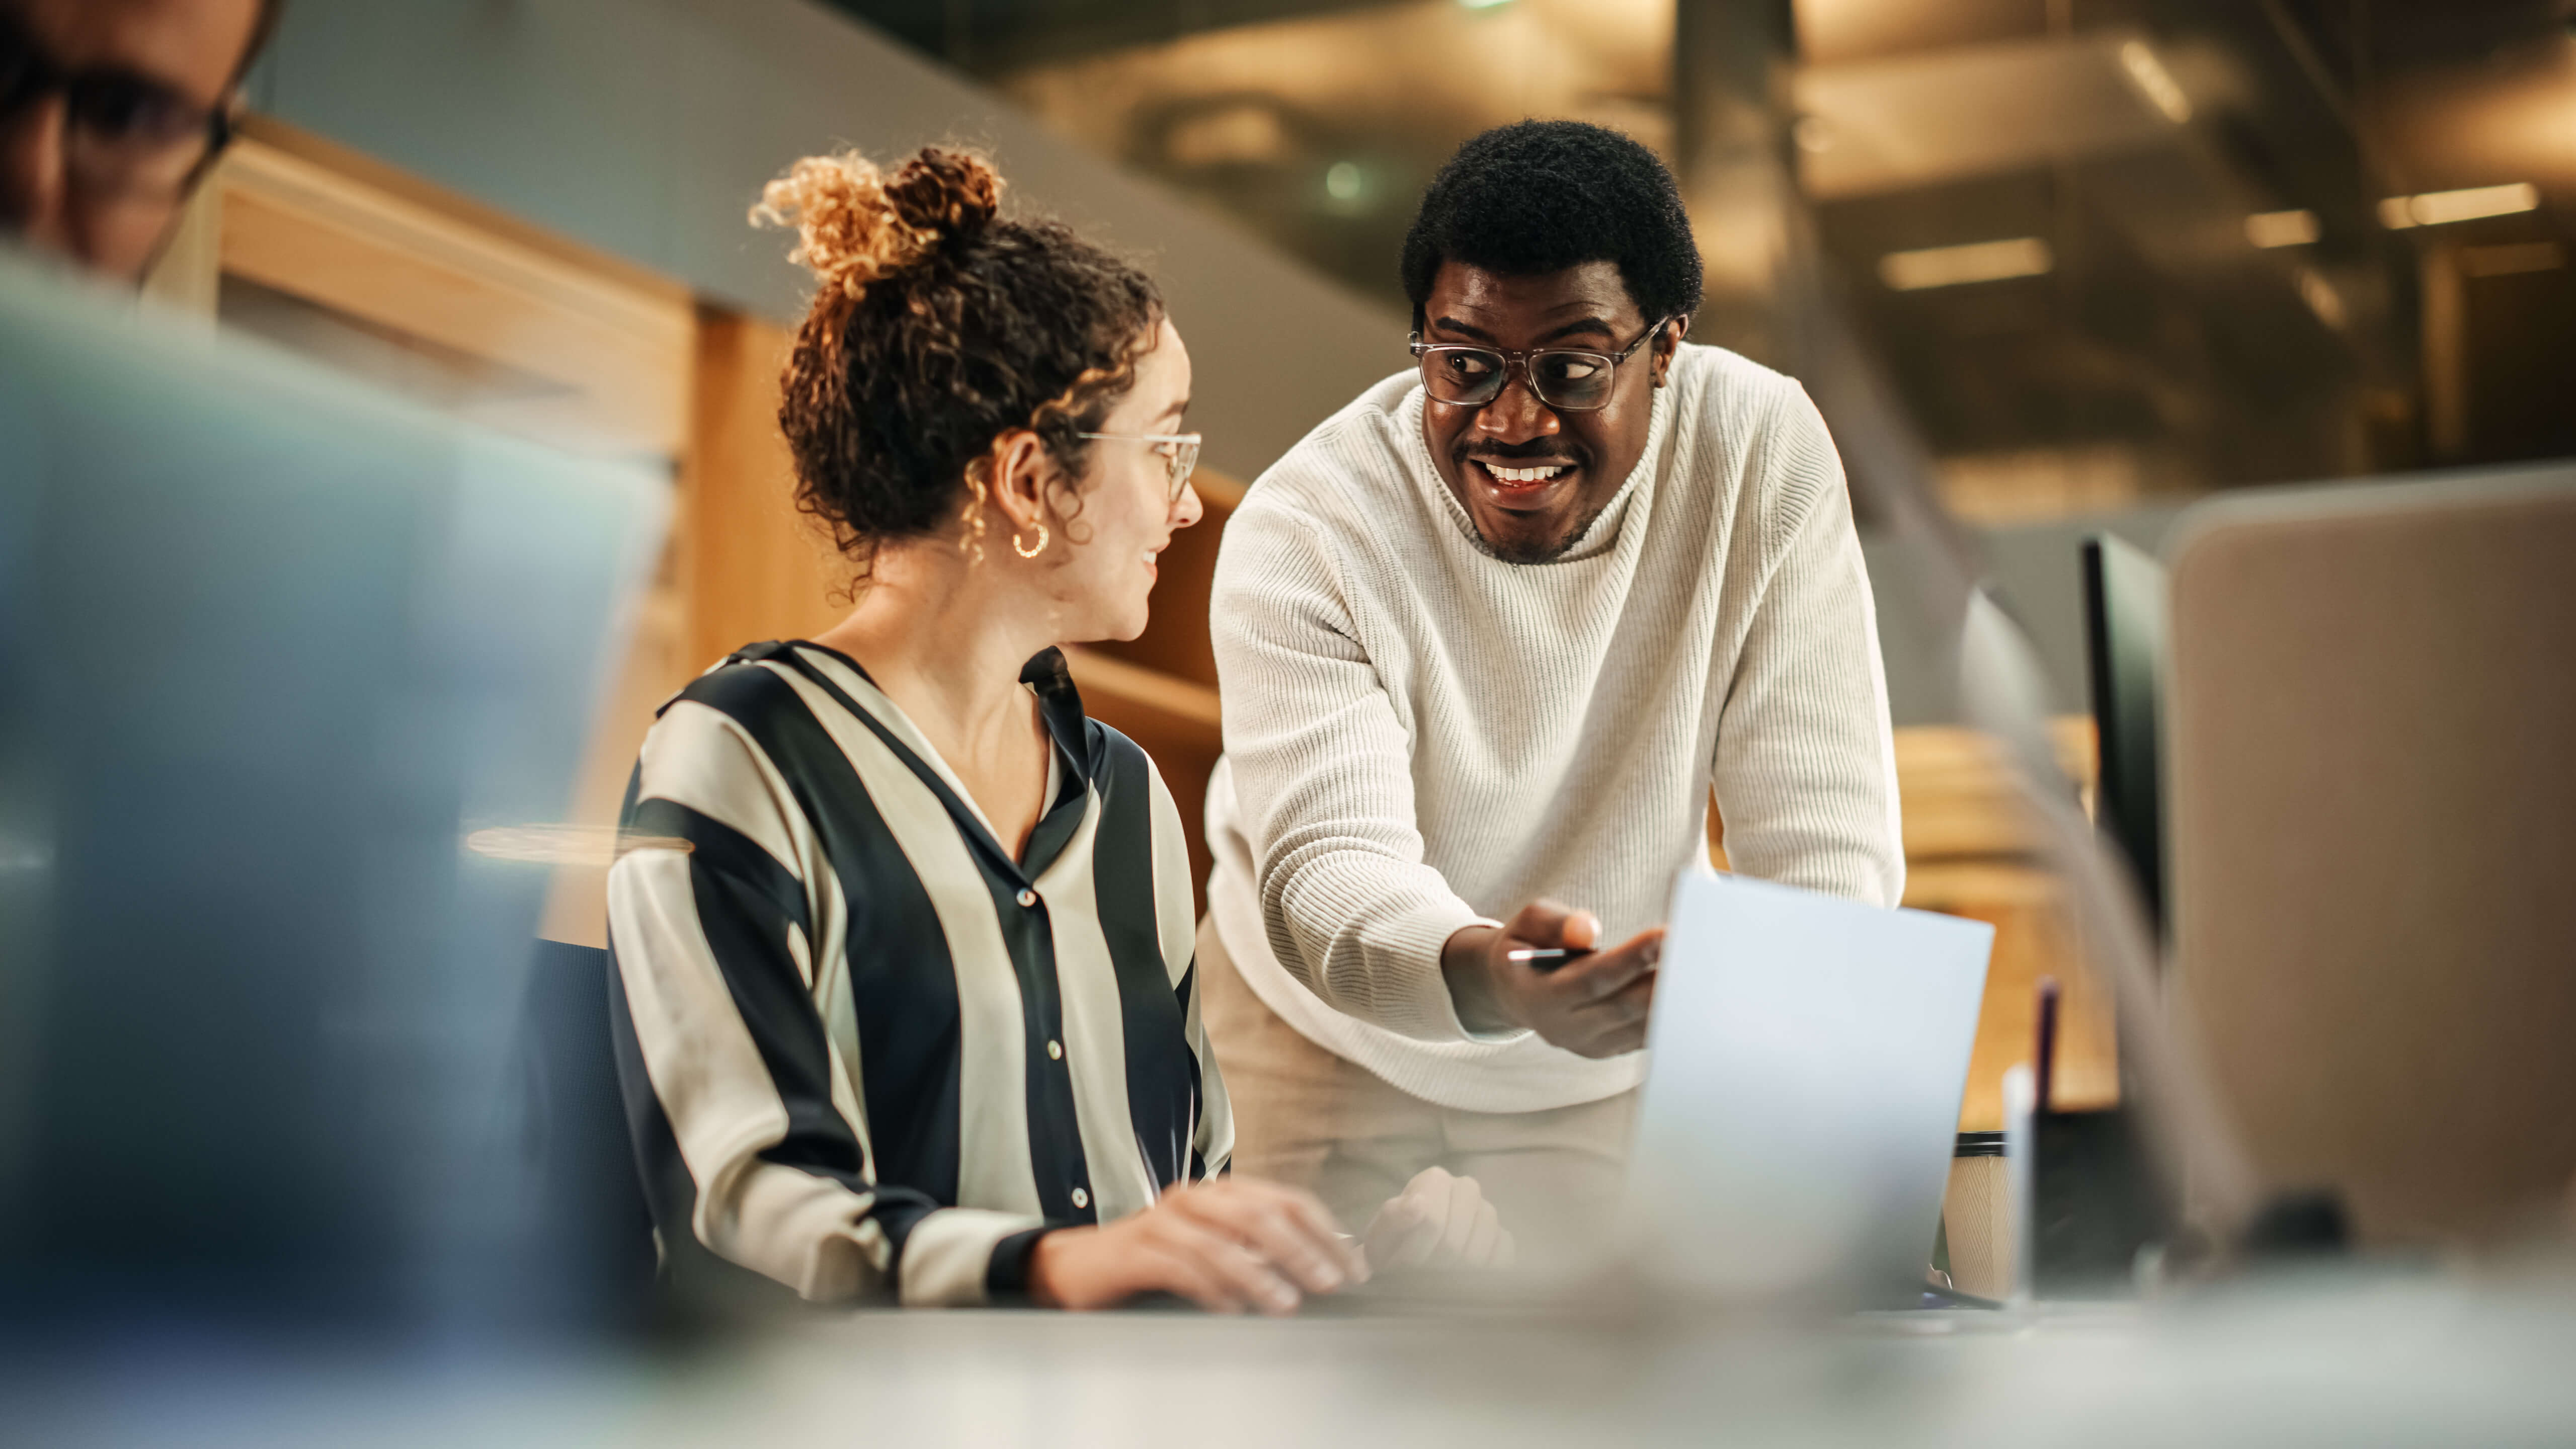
1420	736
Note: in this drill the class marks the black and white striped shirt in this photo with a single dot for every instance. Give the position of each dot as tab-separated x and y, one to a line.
865	1051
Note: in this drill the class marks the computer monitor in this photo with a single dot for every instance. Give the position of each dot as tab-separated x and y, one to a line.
271	646
2370	709
2124	635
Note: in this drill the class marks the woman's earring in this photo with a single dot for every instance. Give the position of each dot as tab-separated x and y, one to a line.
1029	552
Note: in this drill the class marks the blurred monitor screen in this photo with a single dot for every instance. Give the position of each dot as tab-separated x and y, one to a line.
2124	635
273	646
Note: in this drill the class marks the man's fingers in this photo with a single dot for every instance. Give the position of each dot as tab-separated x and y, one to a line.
1547	923
1616	1042
1615	1024
1606	972
1633	1002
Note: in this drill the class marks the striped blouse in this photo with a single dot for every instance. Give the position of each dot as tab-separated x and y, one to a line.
864	1051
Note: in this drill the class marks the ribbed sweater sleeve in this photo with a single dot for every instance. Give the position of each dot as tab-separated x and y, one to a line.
1805	769
1323	778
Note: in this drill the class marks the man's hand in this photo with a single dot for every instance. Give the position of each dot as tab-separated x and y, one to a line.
1593	1005
1227	1244
1440	1220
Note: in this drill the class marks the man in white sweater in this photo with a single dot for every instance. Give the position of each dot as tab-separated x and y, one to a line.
1488	638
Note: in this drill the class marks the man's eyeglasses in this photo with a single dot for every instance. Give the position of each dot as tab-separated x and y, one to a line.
122	132
1180	453
1567	379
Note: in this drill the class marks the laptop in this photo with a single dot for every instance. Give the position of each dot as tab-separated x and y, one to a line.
271	647
1798	1120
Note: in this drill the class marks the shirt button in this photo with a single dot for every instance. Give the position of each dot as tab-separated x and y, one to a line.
1081	1198
1055	1051
1028	898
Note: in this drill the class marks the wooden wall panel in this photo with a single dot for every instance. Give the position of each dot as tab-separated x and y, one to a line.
758	568
1174	720
1969	851
2035	937
602	350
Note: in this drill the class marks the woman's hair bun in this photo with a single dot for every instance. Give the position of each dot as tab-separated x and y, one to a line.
856	225
946	191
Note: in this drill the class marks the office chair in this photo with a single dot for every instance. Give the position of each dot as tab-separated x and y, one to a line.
591	1233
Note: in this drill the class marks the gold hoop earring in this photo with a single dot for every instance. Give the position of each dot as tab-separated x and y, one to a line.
1029	552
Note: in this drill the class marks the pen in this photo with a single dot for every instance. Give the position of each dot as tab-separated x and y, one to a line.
1545	958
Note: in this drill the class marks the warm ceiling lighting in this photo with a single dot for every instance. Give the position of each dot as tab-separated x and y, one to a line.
2433	208
1993	261
2320	296
2281	228
2154	81
1245	134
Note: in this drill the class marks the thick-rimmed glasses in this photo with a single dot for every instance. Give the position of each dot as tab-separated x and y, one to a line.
123	133
1180	453
1568	379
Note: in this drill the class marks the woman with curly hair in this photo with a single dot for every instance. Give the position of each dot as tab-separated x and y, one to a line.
904	991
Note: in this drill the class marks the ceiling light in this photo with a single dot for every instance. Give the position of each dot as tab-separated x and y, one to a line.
2281	228
1482	4
2320	296
2154	81
2434	208
1342	181
1249	133
1993	261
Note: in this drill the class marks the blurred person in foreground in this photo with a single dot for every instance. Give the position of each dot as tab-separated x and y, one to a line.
904	1001
1487	640
111	112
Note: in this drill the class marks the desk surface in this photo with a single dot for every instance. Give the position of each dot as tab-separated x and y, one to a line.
2323	1360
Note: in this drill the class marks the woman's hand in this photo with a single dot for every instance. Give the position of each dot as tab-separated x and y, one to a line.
1226	1244
1439	1220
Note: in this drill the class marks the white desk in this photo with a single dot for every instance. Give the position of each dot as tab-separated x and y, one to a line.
2328	1361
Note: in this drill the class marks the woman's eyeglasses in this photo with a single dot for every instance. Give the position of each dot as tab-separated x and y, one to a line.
123	133
1180	453
1567	379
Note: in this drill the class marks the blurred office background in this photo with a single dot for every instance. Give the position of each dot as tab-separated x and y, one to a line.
2116	255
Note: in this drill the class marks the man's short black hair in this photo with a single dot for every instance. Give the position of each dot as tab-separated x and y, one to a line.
260	31
1540	196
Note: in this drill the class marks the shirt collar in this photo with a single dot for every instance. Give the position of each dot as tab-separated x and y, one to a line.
1060	706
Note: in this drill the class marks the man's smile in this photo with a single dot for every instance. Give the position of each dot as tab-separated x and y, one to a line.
1522	485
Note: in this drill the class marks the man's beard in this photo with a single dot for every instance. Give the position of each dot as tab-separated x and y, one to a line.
1545	551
